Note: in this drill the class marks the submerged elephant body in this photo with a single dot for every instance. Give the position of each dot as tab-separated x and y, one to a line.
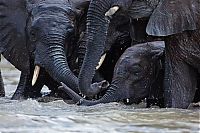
134	75
39	33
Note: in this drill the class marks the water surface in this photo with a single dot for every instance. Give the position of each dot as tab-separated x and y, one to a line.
30	116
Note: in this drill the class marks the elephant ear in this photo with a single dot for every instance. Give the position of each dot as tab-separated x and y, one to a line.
13	16
174	16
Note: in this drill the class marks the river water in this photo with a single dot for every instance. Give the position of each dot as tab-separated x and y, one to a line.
30	116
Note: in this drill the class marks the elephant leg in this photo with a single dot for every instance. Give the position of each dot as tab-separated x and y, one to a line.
2	90
25	89
179	83
22	87
156	92
35	91
197	93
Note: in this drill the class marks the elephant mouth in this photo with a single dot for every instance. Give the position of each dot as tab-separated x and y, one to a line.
135	99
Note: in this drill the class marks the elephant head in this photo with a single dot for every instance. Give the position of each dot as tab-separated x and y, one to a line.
134	74
38	31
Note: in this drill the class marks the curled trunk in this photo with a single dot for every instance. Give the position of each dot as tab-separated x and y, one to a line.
113	94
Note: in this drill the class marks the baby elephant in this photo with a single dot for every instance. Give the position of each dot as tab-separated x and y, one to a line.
134	75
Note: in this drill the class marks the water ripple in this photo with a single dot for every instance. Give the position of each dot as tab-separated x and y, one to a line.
30	116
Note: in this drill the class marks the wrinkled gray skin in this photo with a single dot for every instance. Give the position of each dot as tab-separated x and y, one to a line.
135	72
177	21
39	32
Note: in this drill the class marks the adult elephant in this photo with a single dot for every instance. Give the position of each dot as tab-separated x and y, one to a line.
36	35
177	21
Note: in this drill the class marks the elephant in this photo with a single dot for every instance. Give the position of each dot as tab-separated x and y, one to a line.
138	74
38	37
175	21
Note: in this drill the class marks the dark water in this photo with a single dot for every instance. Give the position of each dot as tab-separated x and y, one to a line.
29	116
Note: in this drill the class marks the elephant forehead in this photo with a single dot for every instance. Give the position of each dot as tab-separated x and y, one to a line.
48	21
129	60
60	3
135	52
53	6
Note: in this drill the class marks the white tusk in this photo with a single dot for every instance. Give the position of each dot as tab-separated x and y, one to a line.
101	61
112	11
76	60
35	74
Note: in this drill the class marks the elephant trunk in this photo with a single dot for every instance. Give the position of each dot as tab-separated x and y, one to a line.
113	94
97	26
55	61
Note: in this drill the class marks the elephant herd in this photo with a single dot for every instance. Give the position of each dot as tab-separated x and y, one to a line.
100	51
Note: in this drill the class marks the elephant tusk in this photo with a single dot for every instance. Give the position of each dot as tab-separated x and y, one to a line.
101	61
112	11
35	75
76	60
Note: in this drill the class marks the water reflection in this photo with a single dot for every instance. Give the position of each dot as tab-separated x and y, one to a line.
33	117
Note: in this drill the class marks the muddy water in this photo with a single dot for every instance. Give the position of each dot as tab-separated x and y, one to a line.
32	117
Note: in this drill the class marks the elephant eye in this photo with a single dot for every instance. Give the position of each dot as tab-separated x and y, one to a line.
32	36
136	69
